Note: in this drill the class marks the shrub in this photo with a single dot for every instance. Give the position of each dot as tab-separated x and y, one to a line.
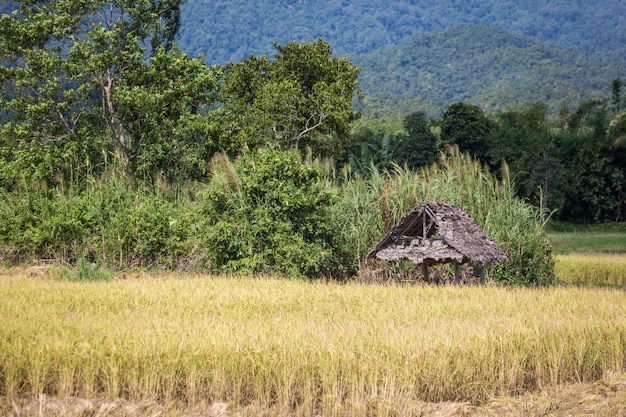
103	221
268	212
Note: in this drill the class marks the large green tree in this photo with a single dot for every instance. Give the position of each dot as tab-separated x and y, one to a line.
82	79
594	175
616	95
419	148
467	126
302	98
521	137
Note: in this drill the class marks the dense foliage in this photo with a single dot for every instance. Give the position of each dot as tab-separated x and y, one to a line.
488	67
269	213
118	149
81	90
77	86
302	99
230	30
573	167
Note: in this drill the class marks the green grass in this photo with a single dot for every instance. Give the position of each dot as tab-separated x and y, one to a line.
587	239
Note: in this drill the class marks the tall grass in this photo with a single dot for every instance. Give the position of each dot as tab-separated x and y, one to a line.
372	206
307	348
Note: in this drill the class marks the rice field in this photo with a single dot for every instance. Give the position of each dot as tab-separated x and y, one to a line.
592	255
297	347
592	269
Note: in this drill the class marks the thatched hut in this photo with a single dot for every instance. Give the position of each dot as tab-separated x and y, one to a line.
436	233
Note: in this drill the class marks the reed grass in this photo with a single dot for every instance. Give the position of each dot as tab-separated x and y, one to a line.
302	347
370	207
591	269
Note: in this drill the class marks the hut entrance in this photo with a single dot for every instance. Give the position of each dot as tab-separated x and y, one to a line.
437	233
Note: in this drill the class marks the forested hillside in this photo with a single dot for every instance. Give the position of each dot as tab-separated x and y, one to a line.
229	30
479	64
420	55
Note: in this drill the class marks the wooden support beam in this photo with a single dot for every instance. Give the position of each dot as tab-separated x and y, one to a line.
457	273
425	272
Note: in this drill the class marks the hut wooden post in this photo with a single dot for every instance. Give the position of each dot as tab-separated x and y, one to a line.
457	273
425	272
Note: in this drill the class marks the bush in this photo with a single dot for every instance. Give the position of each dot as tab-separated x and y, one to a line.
40	225
104	221
269	212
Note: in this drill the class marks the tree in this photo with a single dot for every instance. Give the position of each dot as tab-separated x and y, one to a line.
617	131
300	99
76	75
163	109
466	126
521	137
593	178
617	127
46	109
419	148
616	94
578	120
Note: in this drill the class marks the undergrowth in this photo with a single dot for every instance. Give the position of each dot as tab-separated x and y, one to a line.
266	212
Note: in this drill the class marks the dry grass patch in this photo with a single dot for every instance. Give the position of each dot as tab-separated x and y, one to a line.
593	269
606	397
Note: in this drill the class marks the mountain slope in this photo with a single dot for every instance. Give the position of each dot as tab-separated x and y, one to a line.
230	30
413	52
485	65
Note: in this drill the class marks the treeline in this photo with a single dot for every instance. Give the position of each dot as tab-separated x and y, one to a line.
572	166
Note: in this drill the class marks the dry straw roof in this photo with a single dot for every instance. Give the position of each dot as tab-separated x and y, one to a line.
435	233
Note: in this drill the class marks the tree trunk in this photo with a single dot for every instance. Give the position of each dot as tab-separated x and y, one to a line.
121	138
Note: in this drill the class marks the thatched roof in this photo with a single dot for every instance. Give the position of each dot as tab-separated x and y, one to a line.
438	233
